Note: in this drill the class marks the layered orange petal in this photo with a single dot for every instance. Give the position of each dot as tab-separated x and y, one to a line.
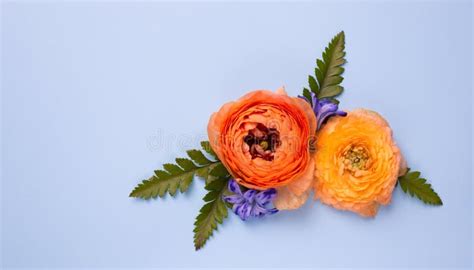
291	117
357	162
295	194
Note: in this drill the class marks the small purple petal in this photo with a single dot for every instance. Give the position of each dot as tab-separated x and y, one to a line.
315	103
326	109
249	195
234	199
237	210
251	203
272	211
326	101
234	187
235	207
248	211
323	109
341	113
264	197
258	211
243	211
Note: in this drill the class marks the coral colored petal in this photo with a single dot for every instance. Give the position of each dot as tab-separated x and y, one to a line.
287	200
304	183
291	117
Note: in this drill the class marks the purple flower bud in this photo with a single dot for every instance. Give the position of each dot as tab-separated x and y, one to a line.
323	109
251	203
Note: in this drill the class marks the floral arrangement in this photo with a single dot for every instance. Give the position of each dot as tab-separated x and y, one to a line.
268	151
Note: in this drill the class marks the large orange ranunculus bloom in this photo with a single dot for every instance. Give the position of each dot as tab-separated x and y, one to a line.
357	162
262	140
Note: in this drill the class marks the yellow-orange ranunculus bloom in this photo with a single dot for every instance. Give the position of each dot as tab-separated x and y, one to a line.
262	140
357	162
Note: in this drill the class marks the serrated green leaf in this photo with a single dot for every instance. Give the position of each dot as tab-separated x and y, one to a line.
198	157
307	95
172	169
204	172
335	71
313	85
329	69
212	213
174	177
335	80
216	185
412	184
186	181
339	55
219	171
206	146
412	175
159	186
186	164
331	91
319	75
333	100
162	174
321	67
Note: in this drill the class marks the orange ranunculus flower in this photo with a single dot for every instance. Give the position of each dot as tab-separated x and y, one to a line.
262	140
357	162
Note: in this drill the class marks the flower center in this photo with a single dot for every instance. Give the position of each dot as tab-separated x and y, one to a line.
263	142
356	159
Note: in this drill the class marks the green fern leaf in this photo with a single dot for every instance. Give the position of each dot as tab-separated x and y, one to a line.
210	173
307	95
212	213
329	70
313	85
204	172
412	184
206	146
219	171
198	157
186	164
177	176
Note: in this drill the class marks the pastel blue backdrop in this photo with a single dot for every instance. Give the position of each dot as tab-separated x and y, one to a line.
95	96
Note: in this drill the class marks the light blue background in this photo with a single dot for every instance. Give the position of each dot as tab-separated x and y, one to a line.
95	96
